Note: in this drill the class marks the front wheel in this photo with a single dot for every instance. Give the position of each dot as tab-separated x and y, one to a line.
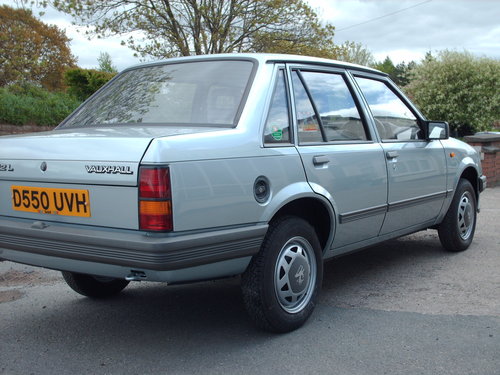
457	229
94	286
281	284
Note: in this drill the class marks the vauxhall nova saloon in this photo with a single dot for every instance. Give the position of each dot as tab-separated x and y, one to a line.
257	165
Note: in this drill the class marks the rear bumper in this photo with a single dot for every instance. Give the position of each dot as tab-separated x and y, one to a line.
131	250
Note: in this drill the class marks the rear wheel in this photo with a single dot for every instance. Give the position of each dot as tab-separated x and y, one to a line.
94	286
457	229
281	284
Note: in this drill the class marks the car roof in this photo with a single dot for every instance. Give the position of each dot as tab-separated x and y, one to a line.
263	58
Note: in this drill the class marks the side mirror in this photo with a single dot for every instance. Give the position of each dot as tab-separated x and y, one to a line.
436	130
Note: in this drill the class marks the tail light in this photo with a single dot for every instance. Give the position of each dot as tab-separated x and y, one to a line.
155	199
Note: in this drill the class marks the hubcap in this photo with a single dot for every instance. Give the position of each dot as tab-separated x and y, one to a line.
465	216
295	274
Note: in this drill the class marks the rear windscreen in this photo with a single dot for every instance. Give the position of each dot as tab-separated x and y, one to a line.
195	93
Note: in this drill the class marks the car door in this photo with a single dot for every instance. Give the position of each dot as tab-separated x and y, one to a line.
416	167
340	157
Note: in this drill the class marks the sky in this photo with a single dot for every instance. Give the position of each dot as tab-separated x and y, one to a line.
404	30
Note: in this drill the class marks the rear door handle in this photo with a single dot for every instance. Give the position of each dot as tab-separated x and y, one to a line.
320	160
392	154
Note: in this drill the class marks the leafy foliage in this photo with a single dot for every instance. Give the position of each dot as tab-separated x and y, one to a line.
355	53
184	27
31	51
459	88
84	82
32	105
105	63
400	73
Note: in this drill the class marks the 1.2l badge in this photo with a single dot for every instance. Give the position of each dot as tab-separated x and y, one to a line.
6	168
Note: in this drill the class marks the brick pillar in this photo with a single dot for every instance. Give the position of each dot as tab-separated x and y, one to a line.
488	144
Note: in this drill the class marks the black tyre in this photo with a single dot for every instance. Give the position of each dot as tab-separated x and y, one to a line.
282	282
457	229
94	286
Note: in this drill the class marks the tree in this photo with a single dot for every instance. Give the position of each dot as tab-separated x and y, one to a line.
355	53
105	63
32	51
459	88
398	73
386	66
403	72
185	27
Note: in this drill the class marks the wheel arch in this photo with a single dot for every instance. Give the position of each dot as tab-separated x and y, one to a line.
470	173
315	211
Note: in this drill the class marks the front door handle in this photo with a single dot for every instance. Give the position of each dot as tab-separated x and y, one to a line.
392	155
320	160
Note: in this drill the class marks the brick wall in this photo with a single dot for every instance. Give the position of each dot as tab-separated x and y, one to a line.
20	129
489	147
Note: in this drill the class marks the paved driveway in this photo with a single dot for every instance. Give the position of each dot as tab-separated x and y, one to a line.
404	307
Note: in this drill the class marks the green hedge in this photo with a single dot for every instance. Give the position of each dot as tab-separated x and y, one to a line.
31	105
84	82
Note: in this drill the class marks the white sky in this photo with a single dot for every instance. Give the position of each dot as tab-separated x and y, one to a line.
404	30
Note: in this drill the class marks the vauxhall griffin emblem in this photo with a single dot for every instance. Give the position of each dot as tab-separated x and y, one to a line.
299	275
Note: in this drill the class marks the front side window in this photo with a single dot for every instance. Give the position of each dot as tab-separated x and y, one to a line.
188	94
393	118
339	115
277	128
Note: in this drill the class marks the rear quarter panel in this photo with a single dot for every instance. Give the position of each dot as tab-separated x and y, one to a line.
220	192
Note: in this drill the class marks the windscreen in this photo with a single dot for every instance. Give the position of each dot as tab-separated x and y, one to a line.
194	93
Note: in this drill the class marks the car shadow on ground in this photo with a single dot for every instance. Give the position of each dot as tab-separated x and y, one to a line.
392	256
145	309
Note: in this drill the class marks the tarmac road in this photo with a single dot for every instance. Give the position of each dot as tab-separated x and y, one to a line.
403	307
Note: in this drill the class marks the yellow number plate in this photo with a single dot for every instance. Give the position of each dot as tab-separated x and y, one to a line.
67	202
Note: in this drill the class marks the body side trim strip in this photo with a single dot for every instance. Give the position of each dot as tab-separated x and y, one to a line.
416	201
361	214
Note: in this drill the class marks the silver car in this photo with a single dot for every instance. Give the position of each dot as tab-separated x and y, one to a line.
256	165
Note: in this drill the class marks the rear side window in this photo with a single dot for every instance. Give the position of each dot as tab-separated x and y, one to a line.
337	110
277	128
393	118
307	120
326	110
196	93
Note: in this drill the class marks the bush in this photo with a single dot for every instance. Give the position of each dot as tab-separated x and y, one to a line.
459	88
28	104
84	82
